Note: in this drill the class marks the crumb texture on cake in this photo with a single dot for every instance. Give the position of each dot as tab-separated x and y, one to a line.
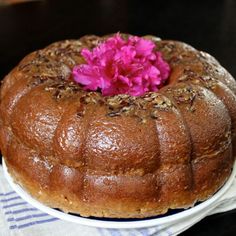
118	156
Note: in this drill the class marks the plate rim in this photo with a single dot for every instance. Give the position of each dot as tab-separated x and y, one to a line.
209	204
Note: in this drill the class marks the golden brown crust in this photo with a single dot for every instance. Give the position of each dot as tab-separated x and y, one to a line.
118	156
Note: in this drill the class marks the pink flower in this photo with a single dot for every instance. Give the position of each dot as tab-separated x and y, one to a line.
119	66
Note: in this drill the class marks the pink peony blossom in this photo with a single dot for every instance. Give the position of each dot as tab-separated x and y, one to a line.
119	66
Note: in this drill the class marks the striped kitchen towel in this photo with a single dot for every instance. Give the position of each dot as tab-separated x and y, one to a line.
18	218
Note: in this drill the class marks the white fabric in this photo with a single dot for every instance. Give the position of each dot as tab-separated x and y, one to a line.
18	218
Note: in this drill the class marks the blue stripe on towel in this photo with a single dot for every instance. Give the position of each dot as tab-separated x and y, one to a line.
13	227
37	222
10	199
21	211
27	217
14	204
8	193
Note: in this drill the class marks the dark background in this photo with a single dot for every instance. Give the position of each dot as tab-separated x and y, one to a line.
207	25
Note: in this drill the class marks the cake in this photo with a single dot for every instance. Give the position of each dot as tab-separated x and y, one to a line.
119	156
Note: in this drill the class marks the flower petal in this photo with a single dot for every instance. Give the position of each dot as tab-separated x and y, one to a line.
122	66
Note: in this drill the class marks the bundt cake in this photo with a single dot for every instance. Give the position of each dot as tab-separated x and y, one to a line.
119	156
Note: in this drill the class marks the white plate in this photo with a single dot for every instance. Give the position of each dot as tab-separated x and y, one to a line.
163	221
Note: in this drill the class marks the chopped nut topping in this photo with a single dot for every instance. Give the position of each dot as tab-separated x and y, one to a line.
62	89
140	107
91	41
154	114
